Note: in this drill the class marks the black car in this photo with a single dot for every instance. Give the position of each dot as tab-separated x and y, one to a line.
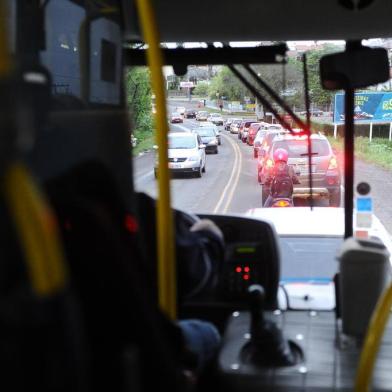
190	113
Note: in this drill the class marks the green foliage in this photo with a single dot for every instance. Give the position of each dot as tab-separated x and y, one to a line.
227	85
201	89
318	95
378	151
138	89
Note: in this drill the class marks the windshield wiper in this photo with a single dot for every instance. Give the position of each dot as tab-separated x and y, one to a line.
306	154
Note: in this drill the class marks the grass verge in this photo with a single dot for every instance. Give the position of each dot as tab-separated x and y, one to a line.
145	141
378	151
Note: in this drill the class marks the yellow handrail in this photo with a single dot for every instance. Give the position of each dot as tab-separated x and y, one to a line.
165	231
372	342
37	232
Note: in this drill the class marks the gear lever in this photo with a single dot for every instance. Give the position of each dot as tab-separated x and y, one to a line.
267	345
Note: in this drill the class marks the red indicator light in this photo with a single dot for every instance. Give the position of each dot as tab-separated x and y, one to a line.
131	224
238	269
246	277
246	269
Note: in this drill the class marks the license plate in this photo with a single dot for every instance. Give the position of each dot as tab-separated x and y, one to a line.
175	165
304	169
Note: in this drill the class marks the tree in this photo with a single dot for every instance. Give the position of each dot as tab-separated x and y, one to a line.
318	95
201	89
226	84
138	89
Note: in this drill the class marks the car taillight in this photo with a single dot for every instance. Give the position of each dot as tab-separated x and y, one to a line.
333	164
269	163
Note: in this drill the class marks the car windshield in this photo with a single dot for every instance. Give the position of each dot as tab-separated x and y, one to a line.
205	131
182	142
299	148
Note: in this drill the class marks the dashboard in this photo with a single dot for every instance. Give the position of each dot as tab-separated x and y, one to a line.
251	257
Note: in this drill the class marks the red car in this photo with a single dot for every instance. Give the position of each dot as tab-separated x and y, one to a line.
243	130
176	118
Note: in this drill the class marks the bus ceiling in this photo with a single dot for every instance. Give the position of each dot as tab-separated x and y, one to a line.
278	20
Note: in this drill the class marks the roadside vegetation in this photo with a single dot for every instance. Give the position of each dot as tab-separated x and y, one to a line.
285	80
378	151
138	89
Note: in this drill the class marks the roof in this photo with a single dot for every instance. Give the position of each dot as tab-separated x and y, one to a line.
181	134
302	20
321	221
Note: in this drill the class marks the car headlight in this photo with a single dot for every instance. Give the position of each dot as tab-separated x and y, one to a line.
193	159
212	142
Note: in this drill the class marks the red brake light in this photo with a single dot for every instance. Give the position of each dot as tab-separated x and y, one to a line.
333	164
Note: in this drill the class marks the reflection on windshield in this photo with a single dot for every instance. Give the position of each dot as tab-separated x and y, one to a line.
309	259
182	142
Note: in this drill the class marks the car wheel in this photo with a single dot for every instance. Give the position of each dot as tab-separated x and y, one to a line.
334	199
216	151
204	168
255	154
264	194
219	143
239	136
199	172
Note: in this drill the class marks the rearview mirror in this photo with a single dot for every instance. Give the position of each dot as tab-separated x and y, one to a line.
356	68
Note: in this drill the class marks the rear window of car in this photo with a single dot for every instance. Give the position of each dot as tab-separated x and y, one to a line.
254	127
248	123
204	131
299	148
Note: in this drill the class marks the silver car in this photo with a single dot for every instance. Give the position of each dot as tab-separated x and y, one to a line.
186	154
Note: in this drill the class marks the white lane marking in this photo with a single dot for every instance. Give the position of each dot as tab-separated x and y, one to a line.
235	184
233	172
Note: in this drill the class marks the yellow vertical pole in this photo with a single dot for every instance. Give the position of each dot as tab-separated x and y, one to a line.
165	230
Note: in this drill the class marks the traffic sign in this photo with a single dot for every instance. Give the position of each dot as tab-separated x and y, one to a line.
187	84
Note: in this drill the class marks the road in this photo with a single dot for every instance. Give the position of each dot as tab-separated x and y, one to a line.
230	184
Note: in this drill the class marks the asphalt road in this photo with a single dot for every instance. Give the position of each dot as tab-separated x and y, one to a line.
230	183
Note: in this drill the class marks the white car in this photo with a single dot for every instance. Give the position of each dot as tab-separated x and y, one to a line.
216	118
202	115
309	243
186	154
181	110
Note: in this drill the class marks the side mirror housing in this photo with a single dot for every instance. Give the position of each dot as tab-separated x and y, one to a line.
357	68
